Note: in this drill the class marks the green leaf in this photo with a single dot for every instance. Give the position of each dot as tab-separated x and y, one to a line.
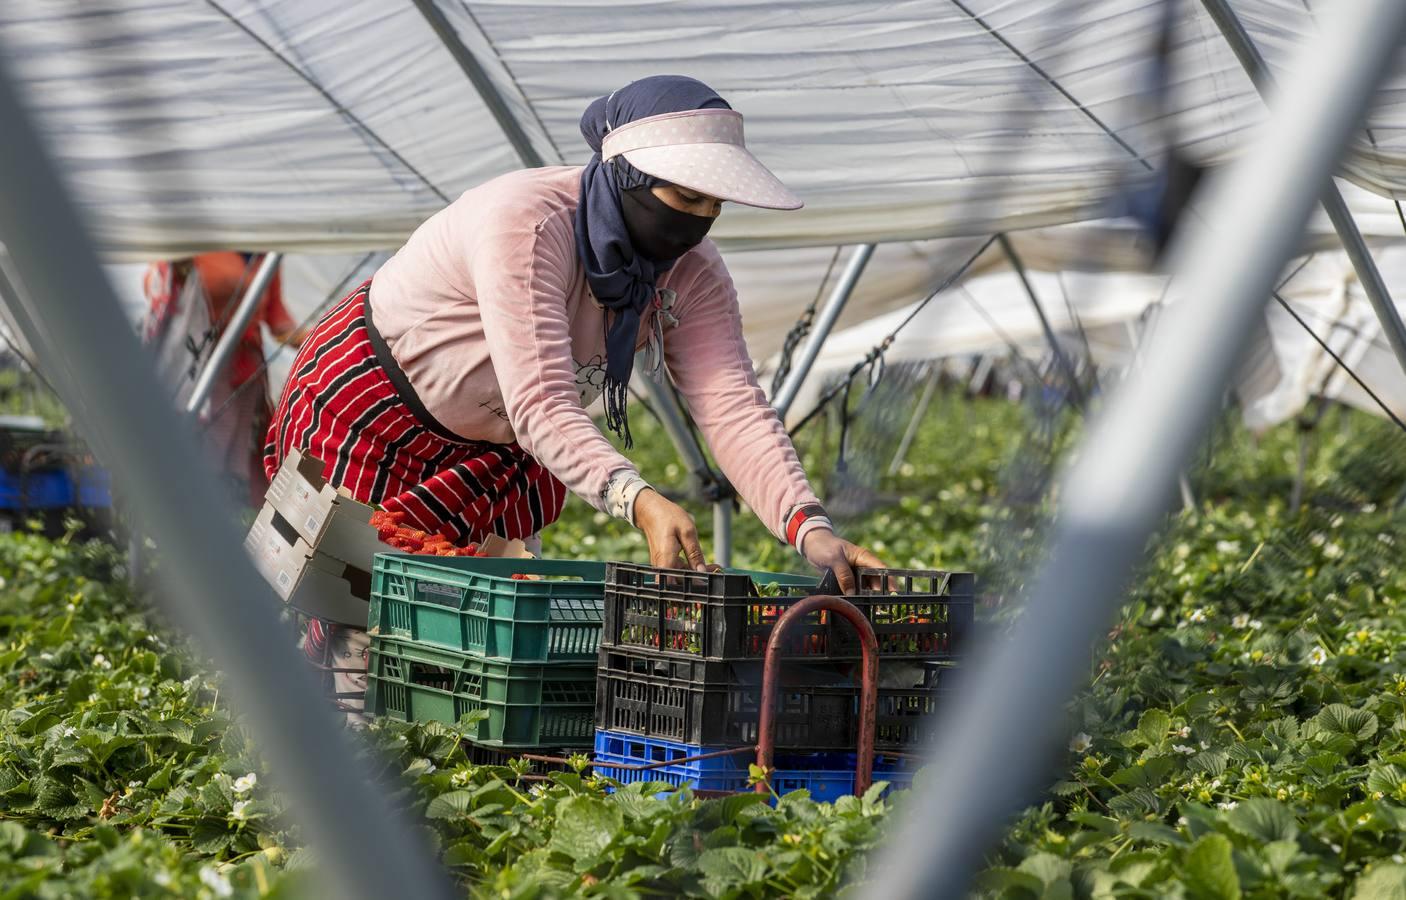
733	866
1337	718
1209	871
450	806
585	826
1135	804
1047	867
1209	762
999	879
1384	882
1264	820
1152	728
1155	833
1386	779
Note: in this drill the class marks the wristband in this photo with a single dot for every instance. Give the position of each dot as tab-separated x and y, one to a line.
798	520
621	491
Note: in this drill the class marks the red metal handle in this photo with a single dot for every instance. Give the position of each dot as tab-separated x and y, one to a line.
868	684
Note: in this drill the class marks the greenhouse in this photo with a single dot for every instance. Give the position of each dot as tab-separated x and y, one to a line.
708	449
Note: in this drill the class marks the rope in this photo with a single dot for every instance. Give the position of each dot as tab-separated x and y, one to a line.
1339	360
878	351
800	329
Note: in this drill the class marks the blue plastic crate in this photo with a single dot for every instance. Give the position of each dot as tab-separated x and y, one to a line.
828	776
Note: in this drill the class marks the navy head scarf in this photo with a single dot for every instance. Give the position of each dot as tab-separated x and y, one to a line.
620	278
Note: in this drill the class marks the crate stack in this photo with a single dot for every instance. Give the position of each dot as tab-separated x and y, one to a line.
516	638
680	669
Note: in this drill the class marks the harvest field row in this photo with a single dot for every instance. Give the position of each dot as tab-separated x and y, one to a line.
1244	733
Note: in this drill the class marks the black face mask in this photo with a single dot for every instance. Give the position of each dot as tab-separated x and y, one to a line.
659	231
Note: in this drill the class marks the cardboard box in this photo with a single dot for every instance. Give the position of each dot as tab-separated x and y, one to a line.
313	582
329	521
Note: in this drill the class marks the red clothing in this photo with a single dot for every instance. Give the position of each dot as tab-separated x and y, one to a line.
226	276
340	406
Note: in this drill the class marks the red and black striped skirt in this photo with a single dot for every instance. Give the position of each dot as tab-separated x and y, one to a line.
348	404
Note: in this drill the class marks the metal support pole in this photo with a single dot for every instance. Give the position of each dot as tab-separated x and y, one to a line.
713	487
1045	326
824	323
365	845
994	743
233	333
722	531
916	422
482	83
1338	213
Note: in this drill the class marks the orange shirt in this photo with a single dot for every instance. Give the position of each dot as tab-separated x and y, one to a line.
226	276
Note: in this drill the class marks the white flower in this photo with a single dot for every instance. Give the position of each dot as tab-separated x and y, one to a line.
1215	784
245	783
1318	539
1336	848
92	698
73	607
215	882
237	811
1333	551
459	779
1182	748
1080	743
1398	858
1317	656
69	731
1181	821
1157	614
1227	546
1185	731
1369	507
1205	746
134	784
1384	538
46	656
1256	624
1198	614
1183	551
1241	621
143	691
162	878
538	789
1228	805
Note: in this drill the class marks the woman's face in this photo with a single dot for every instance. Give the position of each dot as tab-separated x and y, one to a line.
352	654
688	200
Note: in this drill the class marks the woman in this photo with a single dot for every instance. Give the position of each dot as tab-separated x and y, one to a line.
453	385
189	304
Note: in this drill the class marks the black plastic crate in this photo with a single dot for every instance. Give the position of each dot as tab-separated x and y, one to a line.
698	701
915	613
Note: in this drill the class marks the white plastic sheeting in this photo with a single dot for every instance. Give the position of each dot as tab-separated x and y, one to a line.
340	124
992	314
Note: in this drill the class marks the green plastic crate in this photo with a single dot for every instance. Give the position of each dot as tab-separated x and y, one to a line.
529	705
473	605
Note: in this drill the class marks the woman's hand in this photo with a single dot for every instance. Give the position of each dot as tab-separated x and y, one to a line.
669	530
826	550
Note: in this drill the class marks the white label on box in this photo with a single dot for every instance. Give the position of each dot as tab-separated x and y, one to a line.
284	579
312	524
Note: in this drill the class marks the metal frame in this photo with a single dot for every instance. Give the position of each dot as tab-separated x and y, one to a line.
233	333
868	685
825	323
72	320
476	74
1338	213
1060	357
993	743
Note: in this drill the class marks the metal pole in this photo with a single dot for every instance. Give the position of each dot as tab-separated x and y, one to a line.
482	83
1338	213
365	844
233	333
823	325
1045	326
917	420
996	740
672	416
722	531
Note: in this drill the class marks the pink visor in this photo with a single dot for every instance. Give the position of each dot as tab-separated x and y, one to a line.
702	150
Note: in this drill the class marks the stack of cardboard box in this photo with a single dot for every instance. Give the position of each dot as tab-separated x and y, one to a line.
314	544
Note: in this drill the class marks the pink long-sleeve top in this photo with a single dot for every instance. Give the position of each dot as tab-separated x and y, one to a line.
487	310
